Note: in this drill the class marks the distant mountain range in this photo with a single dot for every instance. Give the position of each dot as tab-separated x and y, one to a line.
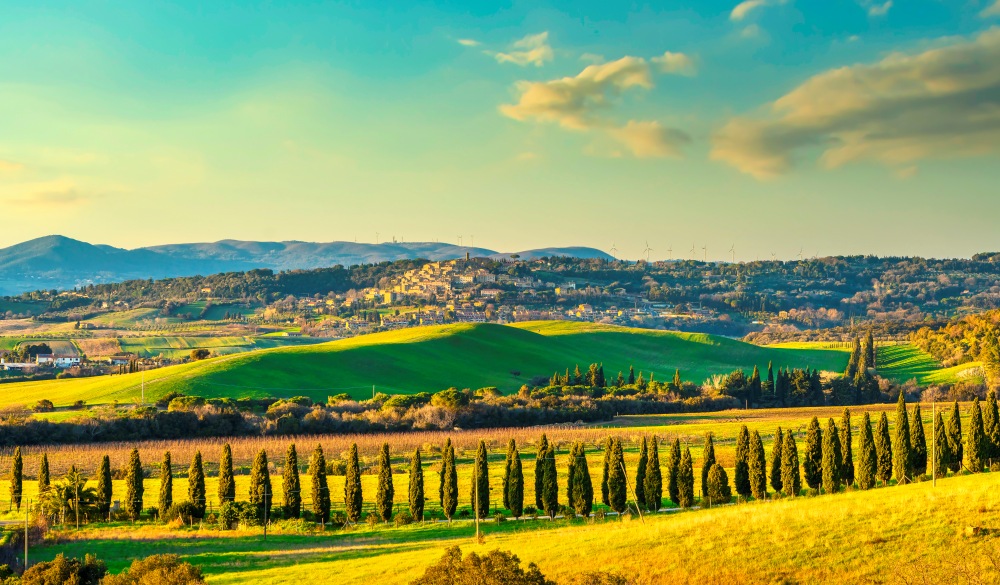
58	262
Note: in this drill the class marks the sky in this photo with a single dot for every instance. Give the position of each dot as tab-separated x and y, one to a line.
696	128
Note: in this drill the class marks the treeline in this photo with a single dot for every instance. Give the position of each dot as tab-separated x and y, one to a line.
971	338
826	465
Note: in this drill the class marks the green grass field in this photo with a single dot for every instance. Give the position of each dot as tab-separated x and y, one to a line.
434	358
907	362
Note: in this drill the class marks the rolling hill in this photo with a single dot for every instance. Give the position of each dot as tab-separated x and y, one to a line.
430	359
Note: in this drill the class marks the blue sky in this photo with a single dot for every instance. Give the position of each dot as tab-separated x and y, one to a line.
775	125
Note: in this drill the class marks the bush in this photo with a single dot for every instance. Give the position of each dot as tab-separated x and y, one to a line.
44	405
336	467
599	578
494	567
403	518
499	517
166	398
183	403
159	570
242	513
63	570
186	511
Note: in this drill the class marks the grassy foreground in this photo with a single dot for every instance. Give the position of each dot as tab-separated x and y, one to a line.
431	359
914	533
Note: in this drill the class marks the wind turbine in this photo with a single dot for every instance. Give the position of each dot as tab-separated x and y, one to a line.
693	252
614	251
773	256
732	251
459	240
670	251
800	254
704	249
647	251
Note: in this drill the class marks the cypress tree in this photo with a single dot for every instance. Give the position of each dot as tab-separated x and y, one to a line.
741	474
991	428
104	486
770	379
570	478
441	472
386	492
719	491
685	480
640	475
543	447
449	483
791	481
43	474
975	454
955	441
550	484
942	450
617	490
166	483
832	458
508	463
606	471
261	494
757	467
631	376
480	491
16	479
868	455
416	485
653	479
918	443
582	488
196	485
847	449
515	488
227	483
320	486
352	486
291	487
708	461
902	461
776	454
812	462
133	486
883	450
673	466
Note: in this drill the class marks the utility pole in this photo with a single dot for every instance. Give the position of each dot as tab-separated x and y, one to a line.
144	388
265	512
26	535
933	444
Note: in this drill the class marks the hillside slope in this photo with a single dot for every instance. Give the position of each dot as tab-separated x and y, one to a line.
433	358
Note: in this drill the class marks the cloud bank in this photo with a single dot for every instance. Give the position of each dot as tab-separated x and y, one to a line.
531	50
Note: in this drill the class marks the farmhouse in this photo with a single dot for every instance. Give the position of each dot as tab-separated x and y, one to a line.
59	361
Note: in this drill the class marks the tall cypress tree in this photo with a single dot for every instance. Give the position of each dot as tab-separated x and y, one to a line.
867	455
883	450
291	488
741	475
320	486
261	494
449	483
708	460
847	449
685	480
582	489
353	498
653	478
227	483
550	484
515	488
902	461
955	441
942	450
133	486
991	428
480	491
416	487
196	485
673	468
543	447
791	481
719	491
918	443
832	458
104	486
812	462
609	445
166	483
441	471
508	463
975	453
43	474
386	493
16	479
757	467
617	490
640	475
776	454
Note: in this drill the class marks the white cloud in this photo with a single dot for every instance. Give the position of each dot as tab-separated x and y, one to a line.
875	9
991	10
943	102
469	42
579	102
678	63
531	50
745	8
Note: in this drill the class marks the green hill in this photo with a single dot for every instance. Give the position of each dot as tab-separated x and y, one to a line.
433	358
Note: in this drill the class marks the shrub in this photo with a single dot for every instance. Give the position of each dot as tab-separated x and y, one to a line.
157	569
185	510
63	570
499	517
183	403
494	567
336	467
403	518
243	513
166	398
44	405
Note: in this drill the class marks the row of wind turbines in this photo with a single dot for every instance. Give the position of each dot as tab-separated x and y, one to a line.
694	251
